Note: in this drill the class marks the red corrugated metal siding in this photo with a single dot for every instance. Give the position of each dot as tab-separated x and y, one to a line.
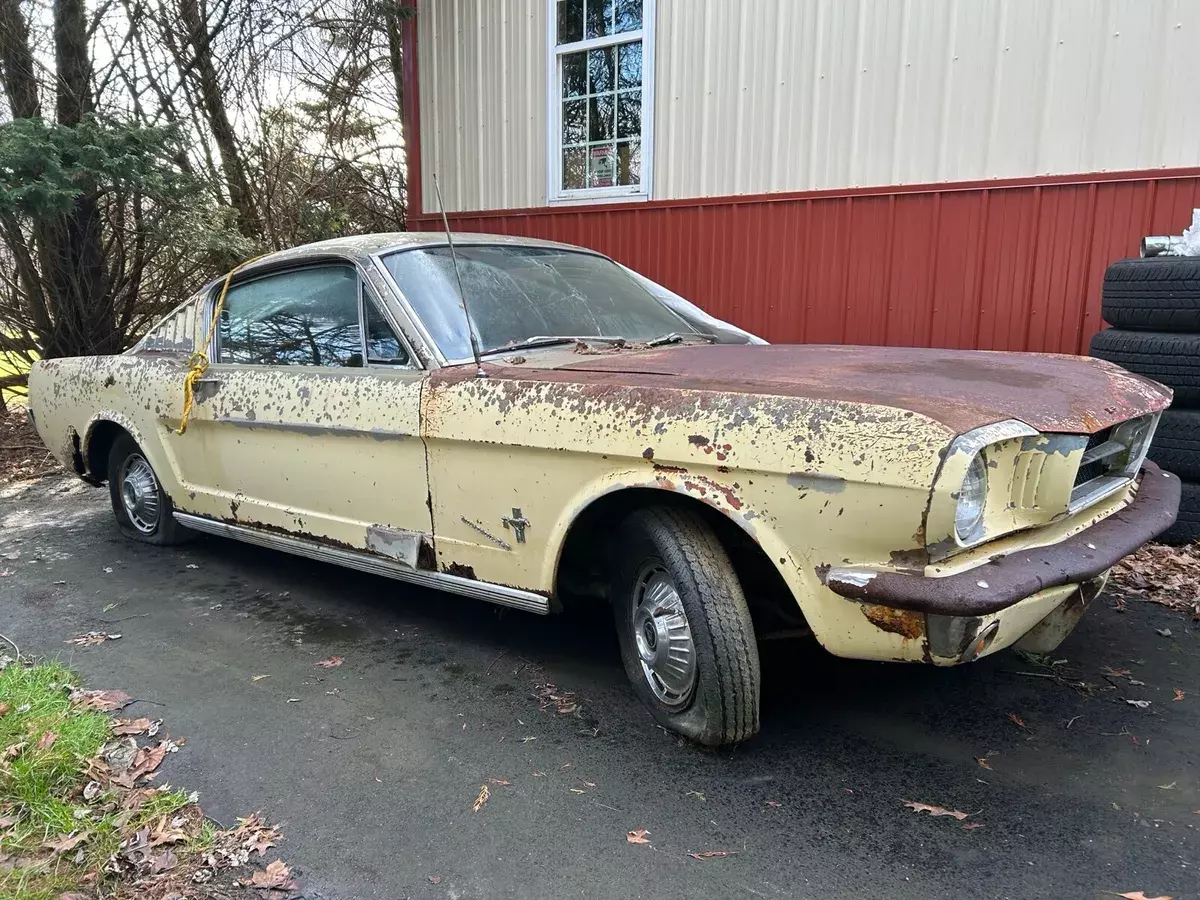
1005	268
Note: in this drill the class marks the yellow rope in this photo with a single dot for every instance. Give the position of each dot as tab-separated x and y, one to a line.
198	361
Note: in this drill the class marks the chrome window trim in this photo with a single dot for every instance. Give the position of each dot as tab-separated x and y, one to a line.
339	260
365	296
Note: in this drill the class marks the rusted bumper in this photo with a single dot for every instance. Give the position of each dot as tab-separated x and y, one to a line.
1000	583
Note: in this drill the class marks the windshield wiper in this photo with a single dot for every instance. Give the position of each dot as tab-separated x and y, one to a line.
676	337
550	341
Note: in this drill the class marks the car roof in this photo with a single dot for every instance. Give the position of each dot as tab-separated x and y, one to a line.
358	246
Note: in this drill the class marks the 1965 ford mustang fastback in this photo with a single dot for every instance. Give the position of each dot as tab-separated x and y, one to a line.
898	504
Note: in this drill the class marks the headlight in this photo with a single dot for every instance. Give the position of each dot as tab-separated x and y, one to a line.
968	516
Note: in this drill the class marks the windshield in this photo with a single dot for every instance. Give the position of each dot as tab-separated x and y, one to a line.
517	293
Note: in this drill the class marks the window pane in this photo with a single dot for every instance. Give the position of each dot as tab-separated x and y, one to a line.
629	162
574	74
629	75
517	292
599	18
574	169
600	118
629	15
570	21
600	70
303	318
629	115
574	121
602	165
383	347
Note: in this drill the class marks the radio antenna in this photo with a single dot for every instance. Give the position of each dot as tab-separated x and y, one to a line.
462	295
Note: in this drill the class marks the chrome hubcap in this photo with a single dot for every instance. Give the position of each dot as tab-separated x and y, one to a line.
664	637
139	493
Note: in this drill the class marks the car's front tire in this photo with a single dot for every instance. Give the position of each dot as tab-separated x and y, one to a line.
142	508
685	632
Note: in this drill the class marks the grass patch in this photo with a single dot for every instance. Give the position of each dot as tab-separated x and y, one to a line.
71	822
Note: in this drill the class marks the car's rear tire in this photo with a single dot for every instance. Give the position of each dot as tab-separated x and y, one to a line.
685	632
1172	359
142	508
1161	293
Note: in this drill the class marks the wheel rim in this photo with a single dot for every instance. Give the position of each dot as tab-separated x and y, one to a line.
139	493
663	637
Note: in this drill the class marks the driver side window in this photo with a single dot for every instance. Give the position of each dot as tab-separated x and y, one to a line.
305	317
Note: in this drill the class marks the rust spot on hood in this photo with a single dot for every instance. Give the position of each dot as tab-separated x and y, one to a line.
962	389
907	624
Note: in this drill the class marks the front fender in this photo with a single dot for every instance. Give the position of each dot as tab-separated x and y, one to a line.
792	563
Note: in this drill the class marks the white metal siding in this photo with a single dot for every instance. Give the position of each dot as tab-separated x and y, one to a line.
482	66
759	96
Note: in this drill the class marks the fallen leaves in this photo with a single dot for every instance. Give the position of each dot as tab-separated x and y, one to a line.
548	695
1140	704
709	854
1016	720
638	837
65	843
46	741
1179	695
122	727
145	761
482	798
258	677
1163	575
92	638
103	701
934	810
332	663
1138	895
275	880
982	760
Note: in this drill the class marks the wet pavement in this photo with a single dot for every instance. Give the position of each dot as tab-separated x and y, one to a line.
373	766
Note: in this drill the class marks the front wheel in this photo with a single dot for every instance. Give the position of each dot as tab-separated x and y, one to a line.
686	638
142	508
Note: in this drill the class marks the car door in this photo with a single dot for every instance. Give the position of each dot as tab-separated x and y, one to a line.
307	422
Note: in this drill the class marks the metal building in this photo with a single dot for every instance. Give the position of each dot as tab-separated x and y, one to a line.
912	172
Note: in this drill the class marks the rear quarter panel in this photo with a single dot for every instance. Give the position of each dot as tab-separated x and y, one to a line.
143	393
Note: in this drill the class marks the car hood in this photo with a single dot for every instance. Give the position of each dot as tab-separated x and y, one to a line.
962	389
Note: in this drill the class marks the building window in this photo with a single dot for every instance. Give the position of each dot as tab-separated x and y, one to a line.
601	63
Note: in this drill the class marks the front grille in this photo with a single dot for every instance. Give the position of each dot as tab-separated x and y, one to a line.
1097	467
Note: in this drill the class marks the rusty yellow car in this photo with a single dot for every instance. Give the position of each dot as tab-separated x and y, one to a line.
531	424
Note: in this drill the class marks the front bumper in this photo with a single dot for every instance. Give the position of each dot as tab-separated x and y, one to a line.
1005	581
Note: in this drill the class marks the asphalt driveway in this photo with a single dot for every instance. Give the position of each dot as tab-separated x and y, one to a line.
373	765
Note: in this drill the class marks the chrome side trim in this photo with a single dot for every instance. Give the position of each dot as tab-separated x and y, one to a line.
379	434
364	562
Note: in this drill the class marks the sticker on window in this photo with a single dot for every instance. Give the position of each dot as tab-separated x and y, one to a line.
602	166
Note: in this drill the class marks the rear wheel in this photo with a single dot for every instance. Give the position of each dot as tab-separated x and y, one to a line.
142	508
686	638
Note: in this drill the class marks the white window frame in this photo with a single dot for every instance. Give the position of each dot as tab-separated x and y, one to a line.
555	193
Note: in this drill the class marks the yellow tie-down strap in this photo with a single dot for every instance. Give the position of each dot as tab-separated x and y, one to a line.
198	361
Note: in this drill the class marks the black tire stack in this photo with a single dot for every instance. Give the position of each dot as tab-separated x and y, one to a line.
1154	307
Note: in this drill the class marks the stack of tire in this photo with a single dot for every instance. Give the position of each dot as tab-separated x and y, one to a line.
1153	305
